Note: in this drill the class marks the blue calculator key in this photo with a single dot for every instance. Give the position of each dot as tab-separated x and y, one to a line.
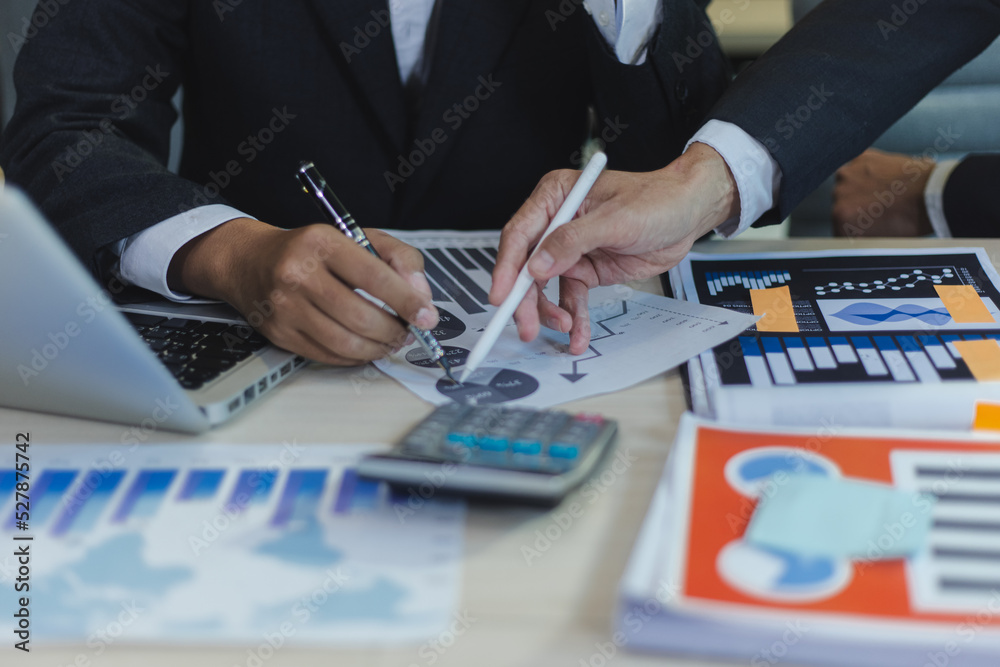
532	447
458	438
493	444
562	450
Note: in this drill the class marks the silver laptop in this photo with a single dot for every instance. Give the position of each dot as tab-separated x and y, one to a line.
66	348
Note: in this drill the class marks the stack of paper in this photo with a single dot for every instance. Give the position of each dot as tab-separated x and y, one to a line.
865	337
820	547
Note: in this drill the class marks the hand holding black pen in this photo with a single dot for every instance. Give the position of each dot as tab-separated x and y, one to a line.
337	215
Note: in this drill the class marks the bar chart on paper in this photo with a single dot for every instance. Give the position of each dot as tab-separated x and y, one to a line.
868	319
634	335
223	543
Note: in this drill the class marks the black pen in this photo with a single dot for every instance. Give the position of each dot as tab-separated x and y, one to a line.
337	215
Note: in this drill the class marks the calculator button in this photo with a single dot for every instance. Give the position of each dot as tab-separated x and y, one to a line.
532	447
563	450
493	444
590	418
462	438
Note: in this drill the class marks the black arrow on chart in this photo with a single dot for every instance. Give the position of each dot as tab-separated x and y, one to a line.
574	376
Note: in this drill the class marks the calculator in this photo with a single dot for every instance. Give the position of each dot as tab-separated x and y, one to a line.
514	453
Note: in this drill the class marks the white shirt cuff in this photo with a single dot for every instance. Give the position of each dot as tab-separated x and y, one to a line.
934	197
626	25
757	175
145	256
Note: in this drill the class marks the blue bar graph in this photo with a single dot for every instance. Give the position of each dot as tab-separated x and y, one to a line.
201	484
355	493
44	495
8	480
884	343
300	496
252	487
145	495
82	509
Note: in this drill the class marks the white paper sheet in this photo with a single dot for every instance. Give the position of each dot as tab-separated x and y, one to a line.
634	335
224	544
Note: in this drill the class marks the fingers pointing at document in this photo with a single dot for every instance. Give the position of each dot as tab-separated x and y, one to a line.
631	226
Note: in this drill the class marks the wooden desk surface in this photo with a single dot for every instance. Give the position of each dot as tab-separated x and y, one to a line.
555	611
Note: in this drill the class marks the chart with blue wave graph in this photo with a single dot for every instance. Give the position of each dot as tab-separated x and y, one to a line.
862	316
225	544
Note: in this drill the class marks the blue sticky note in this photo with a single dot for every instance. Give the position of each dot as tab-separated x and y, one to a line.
814	515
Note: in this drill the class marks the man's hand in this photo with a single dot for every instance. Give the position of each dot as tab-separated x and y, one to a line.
630	226
299	286
882	194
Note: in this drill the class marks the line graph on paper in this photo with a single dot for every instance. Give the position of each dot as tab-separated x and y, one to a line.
634	335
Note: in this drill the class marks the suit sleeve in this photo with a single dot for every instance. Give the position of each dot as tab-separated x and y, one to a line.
971	206
844	74
648	112
90	135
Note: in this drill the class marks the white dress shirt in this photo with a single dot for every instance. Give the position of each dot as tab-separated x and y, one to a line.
934	196
628	25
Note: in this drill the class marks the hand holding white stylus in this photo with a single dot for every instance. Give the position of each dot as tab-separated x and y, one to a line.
506	310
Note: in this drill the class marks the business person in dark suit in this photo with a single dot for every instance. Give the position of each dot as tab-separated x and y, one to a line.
816	99
433	114
888	194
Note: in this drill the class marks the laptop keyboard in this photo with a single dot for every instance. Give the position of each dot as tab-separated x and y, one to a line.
196	352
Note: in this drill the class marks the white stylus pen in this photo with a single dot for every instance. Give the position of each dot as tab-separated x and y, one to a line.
506	310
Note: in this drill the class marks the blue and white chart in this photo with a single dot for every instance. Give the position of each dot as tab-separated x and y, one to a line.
634	335
869	321
227	544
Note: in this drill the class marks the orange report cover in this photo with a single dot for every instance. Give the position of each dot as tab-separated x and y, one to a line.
697	584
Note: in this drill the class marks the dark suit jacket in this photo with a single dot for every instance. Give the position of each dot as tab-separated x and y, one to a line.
844	74
971	205
268	84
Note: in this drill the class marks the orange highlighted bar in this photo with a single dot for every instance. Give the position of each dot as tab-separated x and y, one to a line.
982	357
774	305
987	417
963	304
